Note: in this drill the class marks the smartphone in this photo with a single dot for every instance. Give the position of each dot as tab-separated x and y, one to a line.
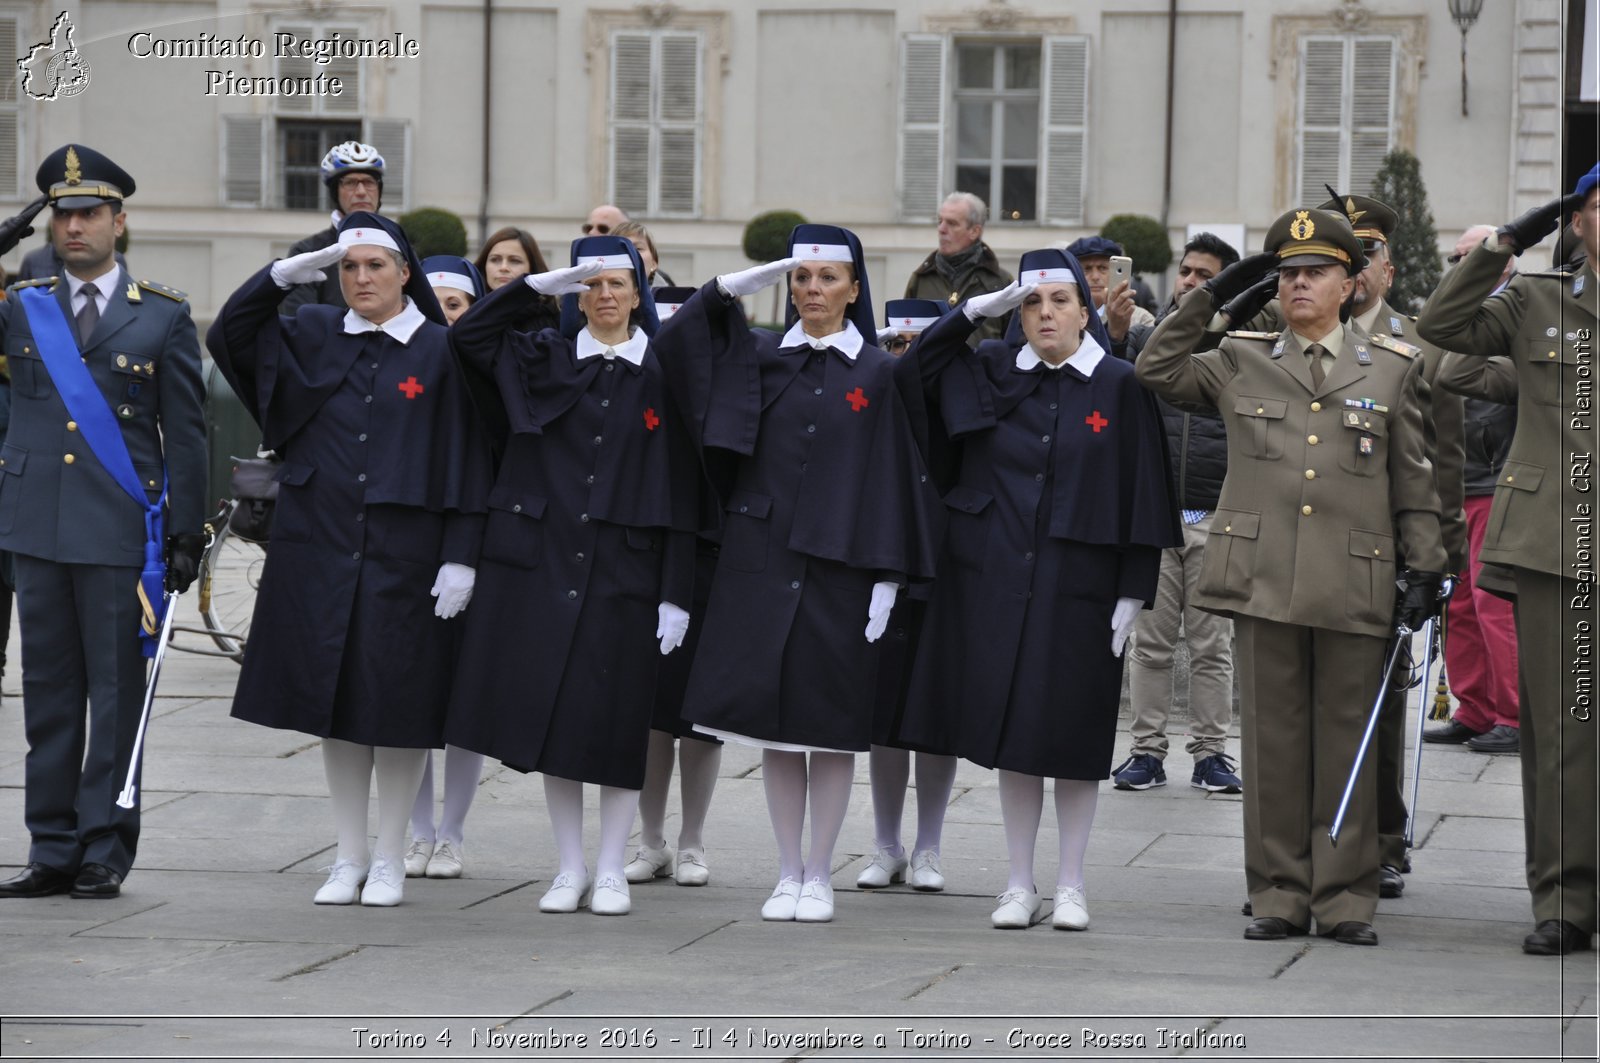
1121	270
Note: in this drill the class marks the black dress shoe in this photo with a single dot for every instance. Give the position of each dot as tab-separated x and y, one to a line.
1271	928
1351	932
36	880
1391	883
1502	738
1555	937
1450	733
96	881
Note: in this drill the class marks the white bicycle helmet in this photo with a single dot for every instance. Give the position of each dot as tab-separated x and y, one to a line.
351	157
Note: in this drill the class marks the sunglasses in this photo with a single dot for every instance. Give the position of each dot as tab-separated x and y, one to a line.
590	227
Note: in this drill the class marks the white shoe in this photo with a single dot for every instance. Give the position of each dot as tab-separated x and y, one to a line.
816	902
417	857
781	905
885	870
610	896
385	883
343	885
445	861
692	869
1018	910
925	873
649	863
566	894
1072	909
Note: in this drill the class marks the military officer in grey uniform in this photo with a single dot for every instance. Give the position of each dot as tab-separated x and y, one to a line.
78	537
1325	464
1372	316
1541	526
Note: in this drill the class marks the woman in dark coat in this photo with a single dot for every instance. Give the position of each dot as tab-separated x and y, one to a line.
1057	517
826	514
381	497
588	554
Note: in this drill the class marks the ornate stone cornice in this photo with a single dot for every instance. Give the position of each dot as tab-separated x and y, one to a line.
999	16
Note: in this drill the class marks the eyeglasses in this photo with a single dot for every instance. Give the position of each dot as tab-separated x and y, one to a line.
590	227
358	181
897	344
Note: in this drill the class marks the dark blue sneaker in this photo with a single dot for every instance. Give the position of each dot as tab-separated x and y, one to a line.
1217	774
1140	771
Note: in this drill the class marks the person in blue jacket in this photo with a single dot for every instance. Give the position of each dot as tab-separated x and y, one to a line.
375	538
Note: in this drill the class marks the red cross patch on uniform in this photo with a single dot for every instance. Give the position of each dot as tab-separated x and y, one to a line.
858	400
411	388
1095	421
650	419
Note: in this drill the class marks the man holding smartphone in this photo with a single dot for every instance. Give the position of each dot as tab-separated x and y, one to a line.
1113	295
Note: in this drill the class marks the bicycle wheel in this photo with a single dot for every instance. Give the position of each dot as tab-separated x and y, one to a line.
230	573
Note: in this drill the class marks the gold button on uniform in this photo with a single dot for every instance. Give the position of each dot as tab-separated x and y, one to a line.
1509	479
69	458
1261	409
1311	474
72	426
1305	510
1316	407
1376	552
1312	440
1226	528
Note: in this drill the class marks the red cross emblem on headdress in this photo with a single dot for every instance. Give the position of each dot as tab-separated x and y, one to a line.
908	322
815	249
360	233
1042	272
601	260
438	276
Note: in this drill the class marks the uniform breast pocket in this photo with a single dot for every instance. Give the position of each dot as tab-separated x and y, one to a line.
514	532
639	568
150	478
1547	364
1260	428
133	383
12	461
1516	490
1369	580
291	522
1363	443
745	531
1228	568
967	530
29	378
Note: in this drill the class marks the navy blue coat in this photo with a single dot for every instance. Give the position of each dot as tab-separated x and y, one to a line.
146	359
591	526
384	477
1060	506
828	495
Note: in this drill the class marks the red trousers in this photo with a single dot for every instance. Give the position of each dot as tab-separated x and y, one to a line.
1480	649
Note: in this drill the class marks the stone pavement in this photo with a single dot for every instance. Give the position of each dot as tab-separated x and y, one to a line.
214	950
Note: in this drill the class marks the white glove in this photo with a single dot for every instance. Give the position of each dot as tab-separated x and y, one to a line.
568	281
1123	618
453	588
887	334
752	280
996	303
306	268
879	609
671	625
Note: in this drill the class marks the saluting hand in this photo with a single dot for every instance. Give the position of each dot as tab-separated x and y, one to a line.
1123	617
306	268
1536	224
19	227
1237	278
568	281
878	610
752	280
996	303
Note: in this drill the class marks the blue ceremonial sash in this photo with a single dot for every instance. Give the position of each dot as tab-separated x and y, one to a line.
86	405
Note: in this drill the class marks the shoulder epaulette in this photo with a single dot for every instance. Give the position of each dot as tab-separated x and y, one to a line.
1389	343
35	283
1268	336
1561	273
162	289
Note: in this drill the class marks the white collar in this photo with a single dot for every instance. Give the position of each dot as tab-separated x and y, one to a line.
402	326
847	341
632	350
75	284
1084	359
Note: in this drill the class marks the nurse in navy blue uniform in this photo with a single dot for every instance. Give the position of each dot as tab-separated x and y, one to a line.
1058	512
904	321
588	554
827	512
376	533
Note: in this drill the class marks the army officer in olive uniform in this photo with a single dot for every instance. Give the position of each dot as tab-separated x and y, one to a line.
1325	461
79	539
1543	507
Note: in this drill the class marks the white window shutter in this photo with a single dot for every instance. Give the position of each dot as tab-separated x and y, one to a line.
631	68
244	160
923	59
678	119
392	138
9	83
630	169
1063	156
295	67
1371	109
348	71
1323	106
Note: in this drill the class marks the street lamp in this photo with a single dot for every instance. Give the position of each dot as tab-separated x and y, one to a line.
1465	13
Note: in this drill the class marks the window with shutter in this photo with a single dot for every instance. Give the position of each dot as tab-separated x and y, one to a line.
392	138
300	148
1346	110
922	123
656	117
1065	128
11	168
244	160
997	123
348	71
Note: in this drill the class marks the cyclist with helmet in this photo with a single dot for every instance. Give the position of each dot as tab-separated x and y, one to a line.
353	172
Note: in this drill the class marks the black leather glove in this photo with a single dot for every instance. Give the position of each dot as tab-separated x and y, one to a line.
1239	277
19	227
1539	222
1250	302
183	561
1422	595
